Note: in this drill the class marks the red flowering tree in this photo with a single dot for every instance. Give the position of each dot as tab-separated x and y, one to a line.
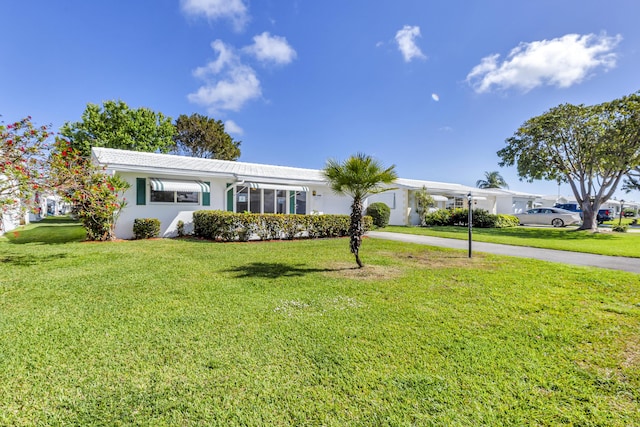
21	165
95	196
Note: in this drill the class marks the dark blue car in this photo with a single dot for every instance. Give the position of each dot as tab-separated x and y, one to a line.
603	214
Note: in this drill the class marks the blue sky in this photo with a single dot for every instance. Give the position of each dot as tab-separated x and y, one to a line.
434	87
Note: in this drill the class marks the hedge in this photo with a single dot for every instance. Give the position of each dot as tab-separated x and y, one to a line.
146	228
229	226
460	217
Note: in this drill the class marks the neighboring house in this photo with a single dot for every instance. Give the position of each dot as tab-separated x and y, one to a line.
170	188
12	217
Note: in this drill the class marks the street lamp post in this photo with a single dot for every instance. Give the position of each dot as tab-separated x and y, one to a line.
470	220
621	210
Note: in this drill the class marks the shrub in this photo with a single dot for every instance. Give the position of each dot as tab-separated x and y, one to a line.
620	228
460	217
440	218
146	228
506	221
229	226
380	213
180	228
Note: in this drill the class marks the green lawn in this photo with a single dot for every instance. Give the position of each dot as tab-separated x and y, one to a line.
605	242
188	332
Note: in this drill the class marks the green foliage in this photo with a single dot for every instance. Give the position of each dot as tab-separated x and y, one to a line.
115	125
424	201
492	180
441	217
21	167
460	217
96	197
380	213
146	228
201	136
506	221
180	228
359	176
621	228
590	147
229	226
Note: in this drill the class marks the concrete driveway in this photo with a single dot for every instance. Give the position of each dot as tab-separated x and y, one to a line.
576	258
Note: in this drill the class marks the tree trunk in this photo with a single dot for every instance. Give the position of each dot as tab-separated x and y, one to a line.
589	218
355	229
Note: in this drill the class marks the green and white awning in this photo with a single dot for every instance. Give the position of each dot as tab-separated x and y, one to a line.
161	184
277	186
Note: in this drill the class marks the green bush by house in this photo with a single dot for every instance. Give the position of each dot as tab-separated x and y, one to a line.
460	217
146	228
230	226
380	213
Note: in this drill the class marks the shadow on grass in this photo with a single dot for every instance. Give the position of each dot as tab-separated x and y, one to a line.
29	260
274	270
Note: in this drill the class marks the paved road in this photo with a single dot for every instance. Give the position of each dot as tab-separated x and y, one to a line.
575	258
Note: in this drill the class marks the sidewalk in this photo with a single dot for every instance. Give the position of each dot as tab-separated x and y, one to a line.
576	258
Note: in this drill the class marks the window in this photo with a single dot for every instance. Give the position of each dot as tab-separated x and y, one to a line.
174	196
255	200
269	200
301	202
281	201
242	199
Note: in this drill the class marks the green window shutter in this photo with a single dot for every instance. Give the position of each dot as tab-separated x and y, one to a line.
229	198
141	191
206	197
292	202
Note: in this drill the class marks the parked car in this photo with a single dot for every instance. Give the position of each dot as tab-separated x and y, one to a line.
603	214
549	216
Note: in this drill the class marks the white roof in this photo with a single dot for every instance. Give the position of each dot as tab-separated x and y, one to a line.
167	164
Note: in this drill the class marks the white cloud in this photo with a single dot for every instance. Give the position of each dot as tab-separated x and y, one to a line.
229	84
560	62
232	127
435	97
268	48
234	10
406	43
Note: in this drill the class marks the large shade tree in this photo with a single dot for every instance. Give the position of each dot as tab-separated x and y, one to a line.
115	125
492	180
589	147
359	177
201	136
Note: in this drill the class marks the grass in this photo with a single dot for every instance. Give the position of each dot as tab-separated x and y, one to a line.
187	332
567	239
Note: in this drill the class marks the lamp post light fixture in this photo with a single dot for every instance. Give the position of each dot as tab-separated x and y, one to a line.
470	220
621	210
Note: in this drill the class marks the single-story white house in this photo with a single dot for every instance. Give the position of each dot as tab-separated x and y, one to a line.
170	188
14	216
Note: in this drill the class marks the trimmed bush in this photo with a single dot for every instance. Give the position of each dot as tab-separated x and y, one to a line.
620	228
146	228
506	221
460	217
228	226
380	213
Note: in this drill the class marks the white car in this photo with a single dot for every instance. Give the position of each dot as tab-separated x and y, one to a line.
549	216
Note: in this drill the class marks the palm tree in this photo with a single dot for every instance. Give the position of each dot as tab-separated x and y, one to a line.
492	180
359	177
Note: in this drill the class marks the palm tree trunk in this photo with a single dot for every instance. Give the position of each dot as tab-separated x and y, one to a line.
355	229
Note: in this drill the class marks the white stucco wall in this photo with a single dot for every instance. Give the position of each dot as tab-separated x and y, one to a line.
168	213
